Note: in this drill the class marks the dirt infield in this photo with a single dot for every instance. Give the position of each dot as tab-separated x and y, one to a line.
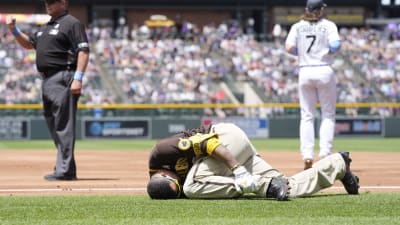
125	172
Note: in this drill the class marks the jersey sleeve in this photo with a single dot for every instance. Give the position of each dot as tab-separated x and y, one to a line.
333	33
79	39
292	36
203	144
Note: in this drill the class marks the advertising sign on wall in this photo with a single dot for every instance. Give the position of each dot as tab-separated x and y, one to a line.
116	128
14	128
359	127
253	127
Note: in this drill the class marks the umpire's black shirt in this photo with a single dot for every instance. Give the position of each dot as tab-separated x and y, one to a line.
58	42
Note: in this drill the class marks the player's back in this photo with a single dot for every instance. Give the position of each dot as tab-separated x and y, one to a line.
312	41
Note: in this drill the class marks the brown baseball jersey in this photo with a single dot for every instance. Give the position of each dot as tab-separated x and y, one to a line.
178	152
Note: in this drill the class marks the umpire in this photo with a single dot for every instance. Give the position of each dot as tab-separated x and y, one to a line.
62	54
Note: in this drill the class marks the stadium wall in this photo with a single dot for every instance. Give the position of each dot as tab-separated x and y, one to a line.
14	128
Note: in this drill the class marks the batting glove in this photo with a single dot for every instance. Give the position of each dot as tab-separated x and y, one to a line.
244	181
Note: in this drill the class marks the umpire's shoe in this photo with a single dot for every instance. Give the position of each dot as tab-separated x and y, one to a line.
278	189
56	177
350	181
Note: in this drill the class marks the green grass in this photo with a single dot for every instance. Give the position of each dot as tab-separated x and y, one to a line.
270	144
367	208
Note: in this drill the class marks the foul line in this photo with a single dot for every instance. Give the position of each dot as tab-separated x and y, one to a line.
144	189
71	189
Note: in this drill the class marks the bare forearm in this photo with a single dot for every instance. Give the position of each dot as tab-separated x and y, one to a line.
221	153
291	49
83	59
23	40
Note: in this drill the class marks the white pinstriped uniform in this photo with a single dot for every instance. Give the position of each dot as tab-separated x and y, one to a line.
317	83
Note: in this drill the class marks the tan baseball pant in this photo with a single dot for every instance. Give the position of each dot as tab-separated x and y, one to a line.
210	178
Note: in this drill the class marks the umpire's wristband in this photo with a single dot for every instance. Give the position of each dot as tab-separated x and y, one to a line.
16	31
78	75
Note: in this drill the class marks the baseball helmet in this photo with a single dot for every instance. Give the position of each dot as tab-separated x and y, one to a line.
161	186
315	4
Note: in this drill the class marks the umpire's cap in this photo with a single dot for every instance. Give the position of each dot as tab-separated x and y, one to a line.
315	4
161	186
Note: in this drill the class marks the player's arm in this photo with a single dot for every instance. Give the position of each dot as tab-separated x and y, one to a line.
83	59
244	181
334	46
290	43
291	49
222	154
20	37
334	42
210	144
81	44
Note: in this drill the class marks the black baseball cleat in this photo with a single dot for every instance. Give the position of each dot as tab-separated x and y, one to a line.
56	177
350	181
278	189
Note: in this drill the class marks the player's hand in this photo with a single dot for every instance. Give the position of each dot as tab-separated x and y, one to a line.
244	181
10	21
76	87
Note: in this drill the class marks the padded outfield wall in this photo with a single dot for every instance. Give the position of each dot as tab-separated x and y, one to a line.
23	128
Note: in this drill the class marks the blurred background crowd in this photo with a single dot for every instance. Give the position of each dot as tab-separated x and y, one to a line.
166	65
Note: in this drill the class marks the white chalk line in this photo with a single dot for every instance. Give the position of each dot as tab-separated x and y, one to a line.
71	189
143	189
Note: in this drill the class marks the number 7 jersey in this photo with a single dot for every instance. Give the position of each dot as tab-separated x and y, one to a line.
312	41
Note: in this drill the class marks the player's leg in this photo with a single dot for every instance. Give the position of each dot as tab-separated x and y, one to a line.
322	175
209	178
234	139
308	101
327	98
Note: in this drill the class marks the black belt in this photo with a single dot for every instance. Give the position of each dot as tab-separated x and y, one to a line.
49	73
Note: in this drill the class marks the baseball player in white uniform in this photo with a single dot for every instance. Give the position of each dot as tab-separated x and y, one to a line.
314	40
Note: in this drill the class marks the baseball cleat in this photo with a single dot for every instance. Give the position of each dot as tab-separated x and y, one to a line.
350	181
278	189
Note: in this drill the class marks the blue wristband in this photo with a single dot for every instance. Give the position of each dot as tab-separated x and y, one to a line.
78	75
293	51
16	31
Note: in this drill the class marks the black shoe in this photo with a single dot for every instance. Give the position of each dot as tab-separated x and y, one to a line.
350	181
55	177
278	188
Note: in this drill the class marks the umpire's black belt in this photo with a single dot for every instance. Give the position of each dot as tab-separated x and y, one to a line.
49	73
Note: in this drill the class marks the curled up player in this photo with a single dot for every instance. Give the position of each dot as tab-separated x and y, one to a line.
218	161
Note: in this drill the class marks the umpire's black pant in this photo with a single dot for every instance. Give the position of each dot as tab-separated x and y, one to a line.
60	107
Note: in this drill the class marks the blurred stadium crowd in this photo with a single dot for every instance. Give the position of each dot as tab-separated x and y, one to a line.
165	65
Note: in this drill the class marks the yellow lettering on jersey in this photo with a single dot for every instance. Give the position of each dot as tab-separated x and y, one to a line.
182	166
184	144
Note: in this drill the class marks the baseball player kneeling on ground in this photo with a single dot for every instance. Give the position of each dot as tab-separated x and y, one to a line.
219	162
